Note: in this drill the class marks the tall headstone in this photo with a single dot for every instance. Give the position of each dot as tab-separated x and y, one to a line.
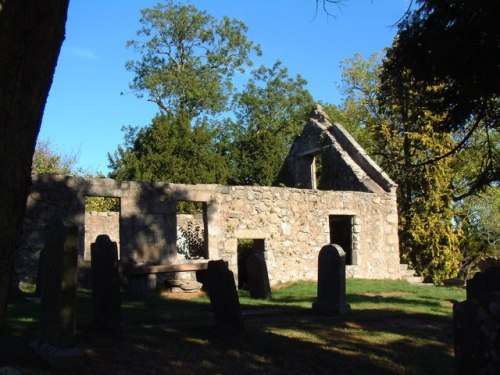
258	278
223	298
58	297
106	285
331	281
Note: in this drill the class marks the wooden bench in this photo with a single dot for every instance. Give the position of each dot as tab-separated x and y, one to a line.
142	279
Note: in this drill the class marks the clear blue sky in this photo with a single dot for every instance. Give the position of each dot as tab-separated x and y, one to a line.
85	111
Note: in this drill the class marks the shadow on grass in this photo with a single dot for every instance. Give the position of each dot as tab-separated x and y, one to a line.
163	335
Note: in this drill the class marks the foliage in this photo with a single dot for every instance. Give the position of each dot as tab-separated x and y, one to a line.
452	47
479	218
102	204
188	62
195	246
400	135
359	112
170	150
269	113
46	159
188	58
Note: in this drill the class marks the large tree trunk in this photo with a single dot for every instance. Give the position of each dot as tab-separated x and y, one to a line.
31	34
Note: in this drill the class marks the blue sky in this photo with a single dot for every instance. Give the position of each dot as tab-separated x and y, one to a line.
85	111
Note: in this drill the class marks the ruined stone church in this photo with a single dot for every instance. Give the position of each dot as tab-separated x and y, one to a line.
328	191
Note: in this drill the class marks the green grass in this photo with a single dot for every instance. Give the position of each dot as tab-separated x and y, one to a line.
393	328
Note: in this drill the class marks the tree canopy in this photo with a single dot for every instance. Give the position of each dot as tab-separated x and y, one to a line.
451	50
187	67
400	135
170	149
269	112
188	58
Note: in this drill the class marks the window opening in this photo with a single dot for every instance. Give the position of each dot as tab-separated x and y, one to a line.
192	229
102	216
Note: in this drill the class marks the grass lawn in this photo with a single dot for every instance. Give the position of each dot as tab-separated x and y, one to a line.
393	328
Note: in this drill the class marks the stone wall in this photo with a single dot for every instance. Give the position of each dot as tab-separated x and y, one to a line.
97	223
294	223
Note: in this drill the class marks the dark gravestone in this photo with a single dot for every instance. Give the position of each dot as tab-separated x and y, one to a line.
223	296
483	282
476	324
106	285
58	296
331	281
258	278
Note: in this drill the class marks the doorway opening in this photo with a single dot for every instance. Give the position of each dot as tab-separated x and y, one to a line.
341	233
247	247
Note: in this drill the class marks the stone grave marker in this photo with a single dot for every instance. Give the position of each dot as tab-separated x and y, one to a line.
223	296
58	296
483	282
106	285
476	323
331	281
258	278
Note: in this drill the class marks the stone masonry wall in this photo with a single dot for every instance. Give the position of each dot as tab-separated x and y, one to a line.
294	223
97	223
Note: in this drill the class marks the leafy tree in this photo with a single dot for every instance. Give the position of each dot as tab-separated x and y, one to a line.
170	149
47	160
359	112
188	58
188	62
31	34
269	113
479	218
452	46
400	135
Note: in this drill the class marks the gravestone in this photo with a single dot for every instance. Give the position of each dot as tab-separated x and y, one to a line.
476	324
331	281
223	296
106	285
258	278
483	282
58	296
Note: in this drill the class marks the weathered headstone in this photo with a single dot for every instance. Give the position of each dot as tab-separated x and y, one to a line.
258	278
223	296
483	282
476	323
331	281
106	285
58	296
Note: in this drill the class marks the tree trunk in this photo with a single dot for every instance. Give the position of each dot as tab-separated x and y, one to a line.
31	34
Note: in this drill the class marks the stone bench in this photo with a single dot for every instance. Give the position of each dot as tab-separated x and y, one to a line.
142	278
